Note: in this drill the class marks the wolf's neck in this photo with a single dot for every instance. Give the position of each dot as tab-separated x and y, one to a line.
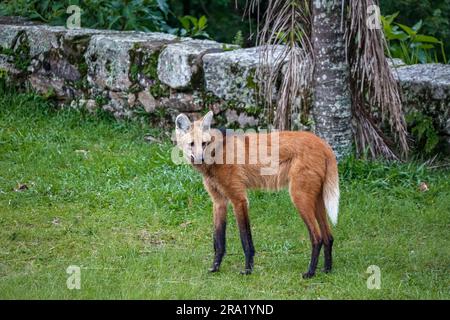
205	169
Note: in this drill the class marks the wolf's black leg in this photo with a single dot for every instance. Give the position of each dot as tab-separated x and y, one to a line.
315	252
220	224
219	245
328	251
243	221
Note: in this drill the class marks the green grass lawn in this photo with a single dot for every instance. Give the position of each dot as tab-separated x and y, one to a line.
102	198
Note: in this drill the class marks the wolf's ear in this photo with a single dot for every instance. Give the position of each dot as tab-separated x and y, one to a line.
182	122
207	119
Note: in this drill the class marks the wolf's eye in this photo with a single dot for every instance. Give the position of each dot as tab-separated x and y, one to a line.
192	144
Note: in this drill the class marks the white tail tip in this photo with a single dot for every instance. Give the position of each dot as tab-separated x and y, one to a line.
331	199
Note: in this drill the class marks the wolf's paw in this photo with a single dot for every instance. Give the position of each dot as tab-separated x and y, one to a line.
308	275
246	272
213	269
326	269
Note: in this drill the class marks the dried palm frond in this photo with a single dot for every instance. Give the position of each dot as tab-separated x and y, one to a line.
369	138
373	85
284	37
375	93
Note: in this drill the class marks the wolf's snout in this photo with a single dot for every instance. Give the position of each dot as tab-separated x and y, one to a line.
197	159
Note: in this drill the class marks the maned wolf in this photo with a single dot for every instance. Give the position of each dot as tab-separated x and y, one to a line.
304	163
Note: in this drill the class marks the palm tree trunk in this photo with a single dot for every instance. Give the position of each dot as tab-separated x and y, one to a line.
331	110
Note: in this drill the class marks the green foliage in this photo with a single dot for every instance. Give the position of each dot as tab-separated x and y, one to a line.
226	21
435	15
193	27
408	44
4	80
134	15
251	83
100	100
144	15
159	90
422	128
225	18
238	39
140	15
150	70
226	47
151	66
102	198
21	55
382	175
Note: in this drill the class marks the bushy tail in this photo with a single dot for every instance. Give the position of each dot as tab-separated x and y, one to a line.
331	191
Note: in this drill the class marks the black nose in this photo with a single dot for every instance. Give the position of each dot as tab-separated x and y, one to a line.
197	161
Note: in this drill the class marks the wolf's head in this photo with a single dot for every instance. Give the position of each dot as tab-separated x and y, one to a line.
193	138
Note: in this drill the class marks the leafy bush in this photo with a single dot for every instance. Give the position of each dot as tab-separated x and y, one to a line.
143	15
225	18
435	15
423	130
193	27
140	15
408	44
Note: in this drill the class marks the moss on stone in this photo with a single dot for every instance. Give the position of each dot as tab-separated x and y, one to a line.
22	59
108	66
50	95
250	81
135	88
101	101
81	84
146	65
235	69
209	98
135	61
159	90
254	110
150	65
21	54
74	50
134	70
7	51
3	73
150	70
83	68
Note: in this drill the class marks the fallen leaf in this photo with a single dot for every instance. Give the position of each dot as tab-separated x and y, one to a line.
83	152
21	187
185	224
423	187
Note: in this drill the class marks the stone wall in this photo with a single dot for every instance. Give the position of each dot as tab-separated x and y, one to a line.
426	89
130	73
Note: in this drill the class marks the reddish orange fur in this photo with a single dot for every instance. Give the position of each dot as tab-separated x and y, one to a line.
306	162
